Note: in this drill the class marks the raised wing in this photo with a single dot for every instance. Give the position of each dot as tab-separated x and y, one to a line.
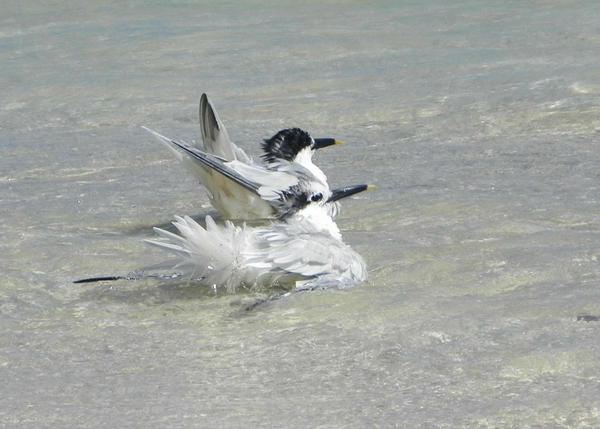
215	139
206	160
268	185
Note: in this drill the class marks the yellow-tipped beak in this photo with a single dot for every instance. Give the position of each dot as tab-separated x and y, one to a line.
324	142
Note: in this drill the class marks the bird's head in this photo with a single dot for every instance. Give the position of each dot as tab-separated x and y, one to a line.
313	209
291	143
314	197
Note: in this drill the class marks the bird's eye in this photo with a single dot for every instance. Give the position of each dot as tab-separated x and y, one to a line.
317	197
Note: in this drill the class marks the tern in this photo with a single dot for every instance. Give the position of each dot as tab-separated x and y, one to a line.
291	145
304	251
238	188
304	246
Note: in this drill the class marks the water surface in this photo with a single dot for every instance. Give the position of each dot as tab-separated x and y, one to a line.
478	122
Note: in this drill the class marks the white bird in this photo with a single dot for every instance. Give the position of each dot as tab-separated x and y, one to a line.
240	188
303	252
304	248
291	145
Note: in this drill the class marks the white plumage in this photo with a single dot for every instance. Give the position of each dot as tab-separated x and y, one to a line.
304	252
237	188
230	199
303	249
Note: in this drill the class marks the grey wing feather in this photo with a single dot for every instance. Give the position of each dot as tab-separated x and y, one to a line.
207	160
305	254
272	182
214	134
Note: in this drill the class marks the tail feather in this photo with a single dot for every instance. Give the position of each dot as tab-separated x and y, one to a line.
168	235
208	254
174	248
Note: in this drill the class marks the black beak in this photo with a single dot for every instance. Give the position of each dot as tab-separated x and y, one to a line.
338	194
321	143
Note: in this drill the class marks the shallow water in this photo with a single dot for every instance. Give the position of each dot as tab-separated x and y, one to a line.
478	122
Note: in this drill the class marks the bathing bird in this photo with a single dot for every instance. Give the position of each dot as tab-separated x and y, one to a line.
302	251
303	247
266	191
291	145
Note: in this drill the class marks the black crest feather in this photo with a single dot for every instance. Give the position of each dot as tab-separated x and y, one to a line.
286	144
